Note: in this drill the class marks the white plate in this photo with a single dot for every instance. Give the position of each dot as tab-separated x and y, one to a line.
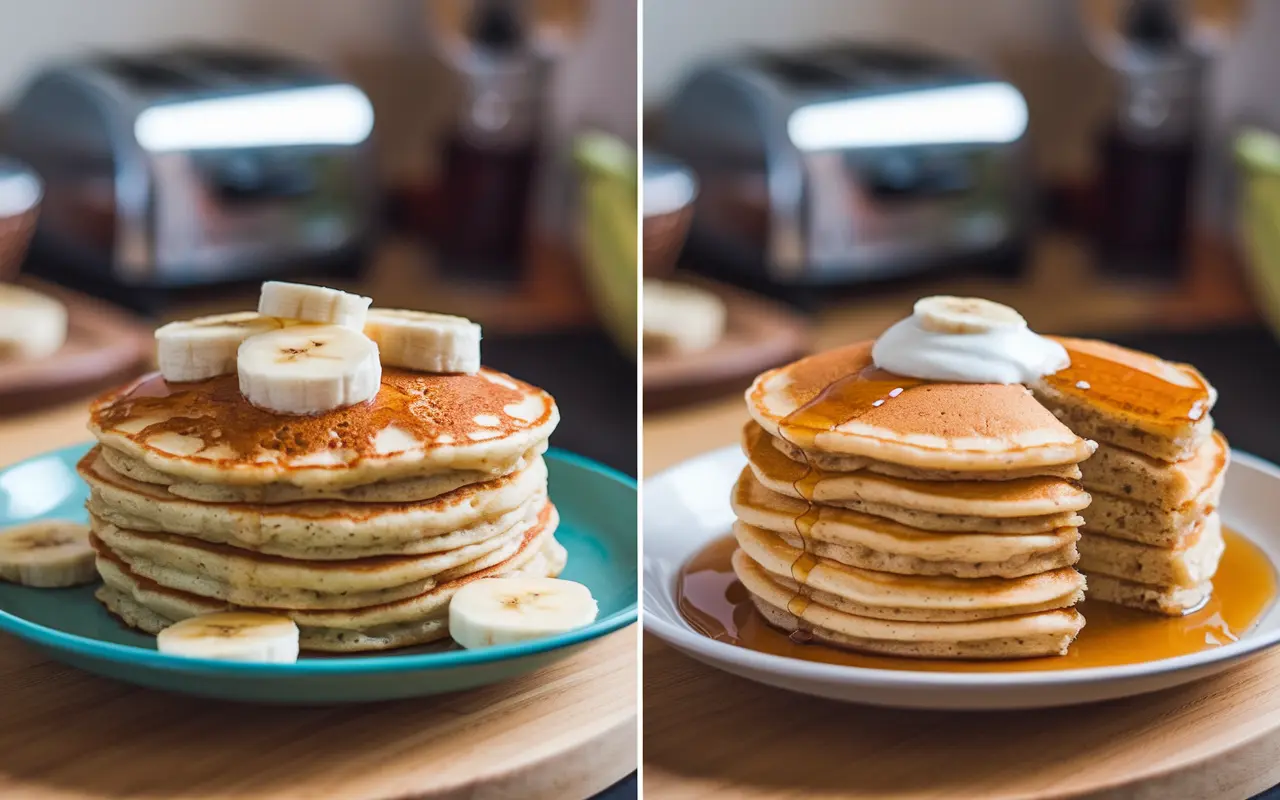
687	506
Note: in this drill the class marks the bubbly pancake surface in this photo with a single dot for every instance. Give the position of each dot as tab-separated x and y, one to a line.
417	424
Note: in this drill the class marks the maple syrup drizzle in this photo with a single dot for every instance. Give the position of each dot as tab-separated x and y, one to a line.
844	399
1133	392
423	405
717	605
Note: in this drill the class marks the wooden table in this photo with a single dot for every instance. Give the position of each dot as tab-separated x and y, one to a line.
710	734
568	731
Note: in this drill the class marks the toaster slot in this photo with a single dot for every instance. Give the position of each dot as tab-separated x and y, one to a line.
146	75
246	177
908	175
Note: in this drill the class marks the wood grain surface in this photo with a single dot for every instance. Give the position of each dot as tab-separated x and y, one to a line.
567	731
104	346
758	335
708	734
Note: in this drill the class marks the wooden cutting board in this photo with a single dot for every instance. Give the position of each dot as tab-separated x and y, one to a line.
564	732
567	731
759	334
104	347
709	734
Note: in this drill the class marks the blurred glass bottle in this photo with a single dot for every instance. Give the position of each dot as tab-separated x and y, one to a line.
1160	52
502	52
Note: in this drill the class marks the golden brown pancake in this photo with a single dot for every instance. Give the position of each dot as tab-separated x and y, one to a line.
418	424
1143	479
1035	634
840	462
838	402
1192	562
1130	399
145	604
883	595
876	543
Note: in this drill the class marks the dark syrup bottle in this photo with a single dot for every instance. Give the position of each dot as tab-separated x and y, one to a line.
491	154
1148	149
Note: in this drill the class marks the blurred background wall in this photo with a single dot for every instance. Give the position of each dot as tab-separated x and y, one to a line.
1039	44
384	45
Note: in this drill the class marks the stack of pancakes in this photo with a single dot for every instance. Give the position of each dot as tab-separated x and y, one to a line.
1152	536
359	523
908	518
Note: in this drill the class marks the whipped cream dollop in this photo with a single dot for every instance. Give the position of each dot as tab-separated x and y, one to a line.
966	340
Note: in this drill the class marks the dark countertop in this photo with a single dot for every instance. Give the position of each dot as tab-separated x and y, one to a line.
1244	365
593	383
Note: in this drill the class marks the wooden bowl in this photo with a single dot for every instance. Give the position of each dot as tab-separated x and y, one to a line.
20	193
669	191
664	235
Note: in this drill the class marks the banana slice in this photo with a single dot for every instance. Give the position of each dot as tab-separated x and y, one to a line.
308	369
423	341
47	554
313	304
32	325
946	314
233	636
679	317
206	347
515	609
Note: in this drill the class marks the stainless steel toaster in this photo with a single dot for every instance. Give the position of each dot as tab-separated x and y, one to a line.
849	162
194	166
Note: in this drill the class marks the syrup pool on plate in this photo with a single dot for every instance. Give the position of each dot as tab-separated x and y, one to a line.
713	601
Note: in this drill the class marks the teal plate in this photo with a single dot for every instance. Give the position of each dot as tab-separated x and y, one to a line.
597	526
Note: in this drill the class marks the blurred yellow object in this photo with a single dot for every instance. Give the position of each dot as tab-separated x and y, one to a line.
1258	153
610	232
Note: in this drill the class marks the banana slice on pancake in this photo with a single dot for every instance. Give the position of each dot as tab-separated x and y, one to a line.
948	314
308	369
205	347
317	304
233	636
48	554
516	609
426	342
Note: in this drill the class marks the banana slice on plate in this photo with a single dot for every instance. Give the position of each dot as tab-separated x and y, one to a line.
205	347
48	554
423	341
233	636
32	325
308	369
516	609
318	304
947	314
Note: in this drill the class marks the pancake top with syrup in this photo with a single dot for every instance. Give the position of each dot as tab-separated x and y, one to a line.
1133	387
839	401
418	423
